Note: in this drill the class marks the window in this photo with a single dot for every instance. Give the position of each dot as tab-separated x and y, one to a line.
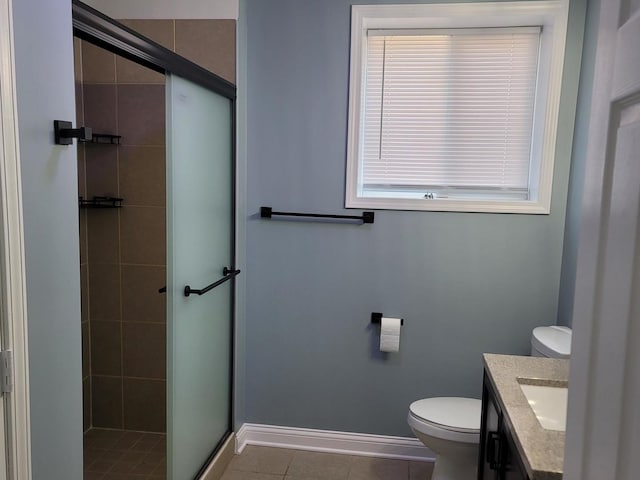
454	107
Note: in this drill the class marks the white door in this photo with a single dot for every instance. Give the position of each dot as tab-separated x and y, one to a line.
603	434
4	464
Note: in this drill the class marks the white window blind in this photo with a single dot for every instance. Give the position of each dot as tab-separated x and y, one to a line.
449	111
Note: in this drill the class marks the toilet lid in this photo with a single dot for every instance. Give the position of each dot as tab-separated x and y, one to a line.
454	413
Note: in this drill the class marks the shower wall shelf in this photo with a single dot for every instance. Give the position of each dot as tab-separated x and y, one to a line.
104	139
100	202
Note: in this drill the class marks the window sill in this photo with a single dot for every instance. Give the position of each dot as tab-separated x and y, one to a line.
449	205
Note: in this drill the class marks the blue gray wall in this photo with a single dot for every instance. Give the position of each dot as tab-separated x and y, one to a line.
464	283
578	160
45	91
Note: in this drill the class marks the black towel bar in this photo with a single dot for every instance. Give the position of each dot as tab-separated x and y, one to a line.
366	217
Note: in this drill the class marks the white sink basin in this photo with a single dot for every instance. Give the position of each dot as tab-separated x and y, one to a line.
549	405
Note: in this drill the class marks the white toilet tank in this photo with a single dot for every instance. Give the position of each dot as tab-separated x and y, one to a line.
553	342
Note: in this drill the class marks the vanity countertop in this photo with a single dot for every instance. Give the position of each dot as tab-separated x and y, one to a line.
541	450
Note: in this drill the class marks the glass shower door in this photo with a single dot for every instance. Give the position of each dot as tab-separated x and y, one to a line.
200	226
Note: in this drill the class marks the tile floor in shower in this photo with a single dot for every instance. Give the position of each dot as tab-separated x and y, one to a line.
265	463
124	455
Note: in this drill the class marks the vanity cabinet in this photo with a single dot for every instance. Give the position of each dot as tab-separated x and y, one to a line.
499	458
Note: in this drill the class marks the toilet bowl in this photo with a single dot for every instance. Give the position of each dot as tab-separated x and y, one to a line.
450	426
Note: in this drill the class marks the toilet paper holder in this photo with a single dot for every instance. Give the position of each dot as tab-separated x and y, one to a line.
377	318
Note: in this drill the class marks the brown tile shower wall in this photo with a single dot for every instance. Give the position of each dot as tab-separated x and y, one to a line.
208	43
123	251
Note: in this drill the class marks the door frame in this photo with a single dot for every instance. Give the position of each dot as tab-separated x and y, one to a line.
13	300
603	367
96	28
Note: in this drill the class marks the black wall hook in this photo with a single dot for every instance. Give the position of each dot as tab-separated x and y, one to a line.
64	133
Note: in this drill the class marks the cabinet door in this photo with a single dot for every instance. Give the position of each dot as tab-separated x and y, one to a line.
490	450
512	468
499	459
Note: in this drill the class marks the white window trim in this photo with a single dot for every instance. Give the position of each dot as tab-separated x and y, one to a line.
552	15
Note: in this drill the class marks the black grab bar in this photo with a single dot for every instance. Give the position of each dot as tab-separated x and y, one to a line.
228	273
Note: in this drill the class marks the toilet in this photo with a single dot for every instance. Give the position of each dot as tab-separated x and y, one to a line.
552	342
450	426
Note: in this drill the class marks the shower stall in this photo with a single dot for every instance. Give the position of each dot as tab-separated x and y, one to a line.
157	210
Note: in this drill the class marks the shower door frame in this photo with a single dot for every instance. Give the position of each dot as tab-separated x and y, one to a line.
96	28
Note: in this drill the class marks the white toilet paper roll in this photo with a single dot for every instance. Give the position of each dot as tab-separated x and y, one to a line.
390	334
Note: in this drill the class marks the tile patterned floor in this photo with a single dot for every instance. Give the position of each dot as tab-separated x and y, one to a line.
265	463
124	455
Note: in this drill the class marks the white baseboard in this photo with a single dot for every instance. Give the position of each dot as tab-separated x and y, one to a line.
334	442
